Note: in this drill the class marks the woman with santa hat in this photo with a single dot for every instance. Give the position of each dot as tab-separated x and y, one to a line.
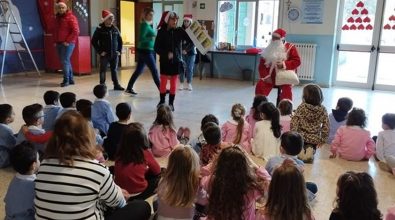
188	56
65	35
278	55
168	46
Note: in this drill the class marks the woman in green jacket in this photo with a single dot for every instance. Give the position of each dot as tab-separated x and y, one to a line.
145	50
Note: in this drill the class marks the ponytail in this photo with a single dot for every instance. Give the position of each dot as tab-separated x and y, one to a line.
238	112
272	114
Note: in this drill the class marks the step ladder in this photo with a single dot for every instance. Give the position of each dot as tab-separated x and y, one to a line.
7	18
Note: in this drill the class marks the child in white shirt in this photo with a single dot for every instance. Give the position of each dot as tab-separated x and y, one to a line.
385	145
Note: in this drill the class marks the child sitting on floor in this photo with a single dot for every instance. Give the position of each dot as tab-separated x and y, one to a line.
51	109
385	146
212	134
102	113
254	115
352	141
7	138
199	141
20	194
84	107
285	107
68	101
338	116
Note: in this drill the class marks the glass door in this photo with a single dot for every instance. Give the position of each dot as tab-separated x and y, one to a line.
367	44
246	23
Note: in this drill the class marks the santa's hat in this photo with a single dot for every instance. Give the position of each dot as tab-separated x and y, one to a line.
105	14
280	33
188	17
61	2
165	18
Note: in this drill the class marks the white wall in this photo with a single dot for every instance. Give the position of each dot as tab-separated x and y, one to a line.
326	28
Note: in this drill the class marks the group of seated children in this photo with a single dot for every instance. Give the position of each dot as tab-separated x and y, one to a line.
216	165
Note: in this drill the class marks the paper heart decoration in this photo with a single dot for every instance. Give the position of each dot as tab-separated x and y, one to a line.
358	20
366	20
345	27
369	27
350	20
355	12
353	27
393	27
360	4
361	27
392	18
387	27
364	11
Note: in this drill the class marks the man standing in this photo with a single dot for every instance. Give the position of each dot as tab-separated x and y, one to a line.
278	55
66	34
107	42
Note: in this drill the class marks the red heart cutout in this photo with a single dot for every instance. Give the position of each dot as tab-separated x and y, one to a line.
361	27
364	11
360	4
369	27
345	27
366	20
387	27
393	27
353	27
358	20
350	20
392	18
355	12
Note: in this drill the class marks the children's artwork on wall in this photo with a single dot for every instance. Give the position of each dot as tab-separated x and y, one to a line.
26	15
200	37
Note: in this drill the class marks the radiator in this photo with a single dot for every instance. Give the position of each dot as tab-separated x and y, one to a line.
307	55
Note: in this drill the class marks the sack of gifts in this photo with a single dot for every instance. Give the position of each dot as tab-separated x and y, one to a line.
286	77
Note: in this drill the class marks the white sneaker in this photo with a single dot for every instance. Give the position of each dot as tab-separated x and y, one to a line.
181	86
189	87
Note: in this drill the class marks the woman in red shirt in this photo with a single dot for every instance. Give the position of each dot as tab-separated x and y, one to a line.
136	170
66	34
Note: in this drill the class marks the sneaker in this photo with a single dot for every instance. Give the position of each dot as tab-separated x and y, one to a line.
119	88
189	87
131	91
307	155
71	82
171	108
181	86
64	84
187	132
180	132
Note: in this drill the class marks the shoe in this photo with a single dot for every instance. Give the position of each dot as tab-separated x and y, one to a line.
171	108
71	83
181	86
131	91
187	132
119	88
189	87
180	132
64	84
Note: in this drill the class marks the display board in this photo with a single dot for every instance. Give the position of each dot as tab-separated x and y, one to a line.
200	37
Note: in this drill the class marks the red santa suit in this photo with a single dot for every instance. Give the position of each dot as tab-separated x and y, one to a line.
267	74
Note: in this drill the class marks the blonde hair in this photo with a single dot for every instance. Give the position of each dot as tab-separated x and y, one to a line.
180	182
238	112
72	137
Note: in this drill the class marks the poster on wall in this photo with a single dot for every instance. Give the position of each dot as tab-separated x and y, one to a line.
200	37
312	11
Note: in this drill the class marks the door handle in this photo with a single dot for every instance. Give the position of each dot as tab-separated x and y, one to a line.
378	49
373	48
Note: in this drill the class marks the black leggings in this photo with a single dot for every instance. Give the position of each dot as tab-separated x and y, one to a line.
150	190
136	210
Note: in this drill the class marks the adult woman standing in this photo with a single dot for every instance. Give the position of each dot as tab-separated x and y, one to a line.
188	56
71	184
66	34
145	51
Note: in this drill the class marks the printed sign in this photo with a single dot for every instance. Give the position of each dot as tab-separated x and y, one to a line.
312	11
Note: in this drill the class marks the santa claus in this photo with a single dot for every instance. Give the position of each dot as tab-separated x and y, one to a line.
278	55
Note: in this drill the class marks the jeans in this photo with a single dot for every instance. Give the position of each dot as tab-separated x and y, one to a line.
104	60
145	57
64	53
187	68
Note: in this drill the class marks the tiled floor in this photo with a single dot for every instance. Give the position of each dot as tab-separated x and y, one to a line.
214	96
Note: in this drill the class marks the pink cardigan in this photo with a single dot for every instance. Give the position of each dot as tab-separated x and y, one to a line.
390	214
353	143
163	140
229	133
251	121
251	197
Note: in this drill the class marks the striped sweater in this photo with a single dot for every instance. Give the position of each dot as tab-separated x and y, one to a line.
83	191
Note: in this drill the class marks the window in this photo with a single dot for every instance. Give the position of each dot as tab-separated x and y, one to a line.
240	22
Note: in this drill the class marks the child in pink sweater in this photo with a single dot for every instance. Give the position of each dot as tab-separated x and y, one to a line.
352	141
285	107
237	130
390	214
162	134
254	114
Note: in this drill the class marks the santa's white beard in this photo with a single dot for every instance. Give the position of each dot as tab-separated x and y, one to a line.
274	52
